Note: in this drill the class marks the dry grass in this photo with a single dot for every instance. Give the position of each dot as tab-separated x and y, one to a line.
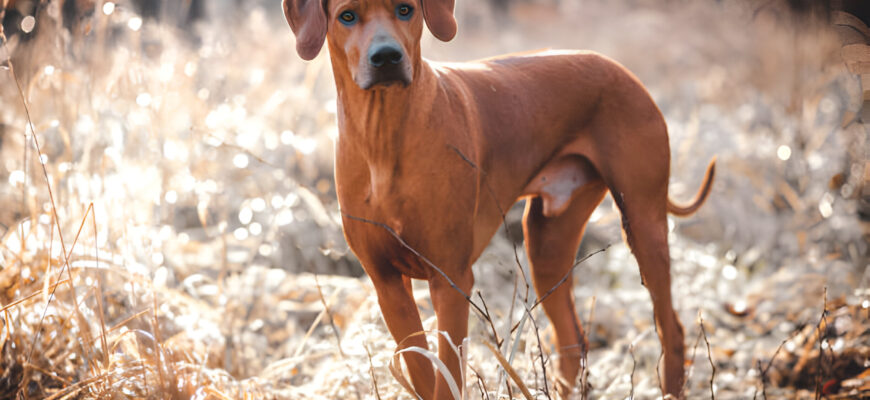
176	233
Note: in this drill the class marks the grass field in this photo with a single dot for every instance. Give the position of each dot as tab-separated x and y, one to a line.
169	227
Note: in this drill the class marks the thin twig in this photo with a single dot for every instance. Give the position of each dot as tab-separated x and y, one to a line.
822	320
510	314
481	385
692	363
372	373
631	347
541	352
763	378
584	354
489	320
709	356
329	314
763	372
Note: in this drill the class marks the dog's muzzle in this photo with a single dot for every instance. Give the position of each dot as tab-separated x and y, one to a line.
386	65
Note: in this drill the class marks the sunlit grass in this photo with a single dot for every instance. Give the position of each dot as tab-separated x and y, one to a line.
191	172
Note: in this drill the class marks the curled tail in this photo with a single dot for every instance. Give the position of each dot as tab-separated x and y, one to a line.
681	210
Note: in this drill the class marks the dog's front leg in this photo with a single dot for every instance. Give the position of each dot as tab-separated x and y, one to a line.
403	320
451	309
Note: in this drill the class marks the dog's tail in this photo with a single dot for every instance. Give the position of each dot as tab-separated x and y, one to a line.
681	210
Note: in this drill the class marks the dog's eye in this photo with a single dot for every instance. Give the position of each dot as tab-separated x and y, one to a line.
404	11
347	17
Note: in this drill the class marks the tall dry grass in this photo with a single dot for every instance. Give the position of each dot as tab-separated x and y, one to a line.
176	233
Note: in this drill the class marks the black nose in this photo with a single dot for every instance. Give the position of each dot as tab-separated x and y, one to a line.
383	54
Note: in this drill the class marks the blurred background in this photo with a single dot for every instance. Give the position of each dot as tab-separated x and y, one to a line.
169	227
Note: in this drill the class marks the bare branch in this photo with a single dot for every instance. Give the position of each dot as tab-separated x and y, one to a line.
481	385
692	363
709	356
763	372
329	314
822	325
541	352
372	373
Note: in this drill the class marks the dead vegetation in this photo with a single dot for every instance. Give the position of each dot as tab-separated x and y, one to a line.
175	235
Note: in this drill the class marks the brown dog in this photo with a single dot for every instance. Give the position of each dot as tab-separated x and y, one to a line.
429	154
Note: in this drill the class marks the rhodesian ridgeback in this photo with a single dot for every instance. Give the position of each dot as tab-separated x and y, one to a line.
430	154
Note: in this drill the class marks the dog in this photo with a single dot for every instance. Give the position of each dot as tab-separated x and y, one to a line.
430	154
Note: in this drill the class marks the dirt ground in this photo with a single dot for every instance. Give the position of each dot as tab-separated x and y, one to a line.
169	228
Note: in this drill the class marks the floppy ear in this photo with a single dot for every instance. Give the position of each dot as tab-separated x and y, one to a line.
307	19
439	18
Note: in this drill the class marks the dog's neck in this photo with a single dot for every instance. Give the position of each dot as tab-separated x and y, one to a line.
378	121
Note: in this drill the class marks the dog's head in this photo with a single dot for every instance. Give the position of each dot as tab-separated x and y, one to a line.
378	41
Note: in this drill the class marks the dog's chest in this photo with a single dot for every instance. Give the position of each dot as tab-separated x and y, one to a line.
412	189
424	199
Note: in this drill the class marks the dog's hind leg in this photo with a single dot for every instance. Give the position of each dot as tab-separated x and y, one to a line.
646	230
639	186
551	243
632	155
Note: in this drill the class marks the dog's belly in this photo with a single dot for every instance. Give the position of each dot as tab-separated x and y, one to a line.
558	180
